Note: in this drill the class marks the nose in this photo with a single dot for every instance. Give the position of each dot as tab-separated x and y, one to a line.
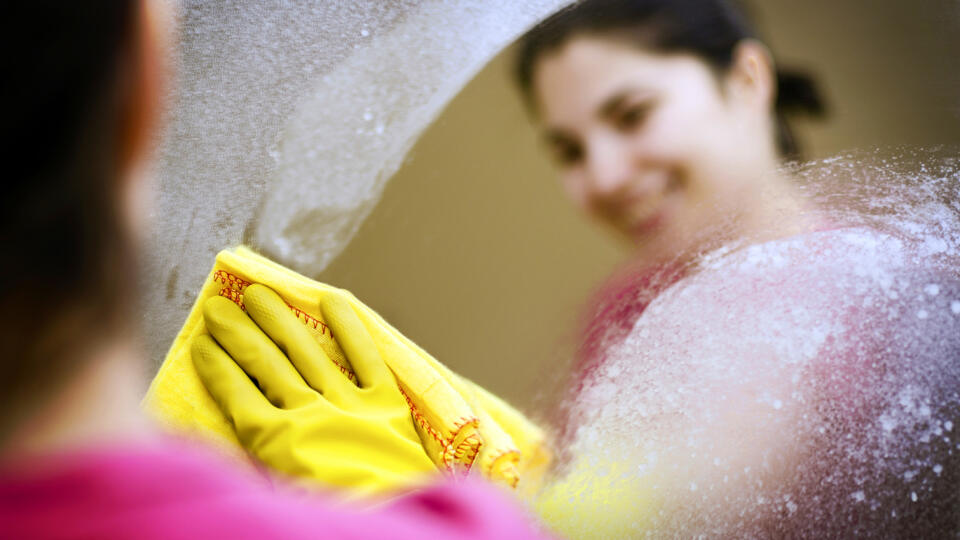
609	168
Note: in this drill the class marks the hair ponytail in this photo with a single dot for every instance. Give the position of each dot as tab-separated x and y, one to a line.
797	93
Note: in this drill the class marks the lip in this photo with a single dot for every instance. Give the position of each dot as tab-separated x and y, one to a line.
651	223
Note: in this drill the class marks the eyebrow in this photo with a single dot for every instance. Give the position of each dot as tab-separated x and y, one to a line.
614	102
606	109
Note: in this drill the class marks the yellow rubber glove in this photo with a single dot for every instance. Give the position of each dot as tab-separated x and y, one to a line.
462	427
294	410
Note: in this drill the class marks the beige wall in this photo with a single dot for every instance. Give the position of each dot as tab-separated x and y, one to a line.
890	68
474	253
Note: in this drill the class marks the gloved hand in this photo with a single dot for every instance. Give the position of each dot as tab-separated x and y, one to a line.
299	414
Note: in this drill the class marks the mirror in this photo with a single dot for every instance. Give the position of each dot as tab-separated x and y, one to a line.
696	413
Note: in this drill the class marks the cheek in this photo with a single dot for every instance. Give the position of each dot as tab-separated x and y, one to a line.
673	140
692	132
704	156
724	150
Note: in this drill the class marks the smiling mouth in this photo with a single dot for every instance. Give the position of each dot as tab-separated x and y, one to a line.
650	223
652	216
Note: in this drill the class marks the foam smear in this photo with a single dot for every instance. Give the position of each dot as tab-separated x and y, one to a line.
289	118
805	387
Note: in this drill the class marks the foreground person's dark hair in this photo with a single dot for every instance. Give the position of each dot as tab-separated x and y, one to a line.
66	265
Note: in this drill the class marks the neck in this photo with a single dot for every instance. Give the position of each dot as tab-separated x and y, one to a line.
99	406
778	211
782	211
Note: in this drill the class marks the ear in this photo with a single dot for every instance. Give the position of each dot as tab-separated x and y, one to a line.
146	79
751	75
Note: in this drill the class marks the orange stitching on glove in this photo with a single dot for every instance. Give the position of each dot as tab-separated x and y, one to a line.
468	448
324	329
229	279
467	452
423	421
237	285
234	295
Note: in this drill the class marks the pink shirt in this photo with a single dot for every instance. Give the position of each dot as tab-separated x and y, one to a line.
174	491
613	310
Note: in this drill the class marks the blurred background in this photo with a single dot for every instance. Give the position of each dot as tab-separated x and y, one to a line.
474	253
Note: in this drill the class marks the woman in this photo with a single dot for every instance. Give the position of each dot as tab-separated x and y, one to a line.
76	457
666	119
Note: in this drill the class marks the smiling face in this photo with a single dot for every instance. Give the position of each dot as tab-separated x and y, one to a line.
657	146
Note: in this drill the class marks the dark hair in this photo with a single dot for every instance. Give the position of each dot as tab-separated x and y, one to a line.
66	266
710	29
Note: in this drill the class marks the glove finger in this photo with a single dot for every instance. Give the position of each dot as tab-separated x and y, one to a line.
273	316
357	344
230	387
255	353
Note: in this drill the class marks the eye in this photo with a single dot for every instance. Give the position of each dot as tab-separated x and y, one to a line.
632	117
566	152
